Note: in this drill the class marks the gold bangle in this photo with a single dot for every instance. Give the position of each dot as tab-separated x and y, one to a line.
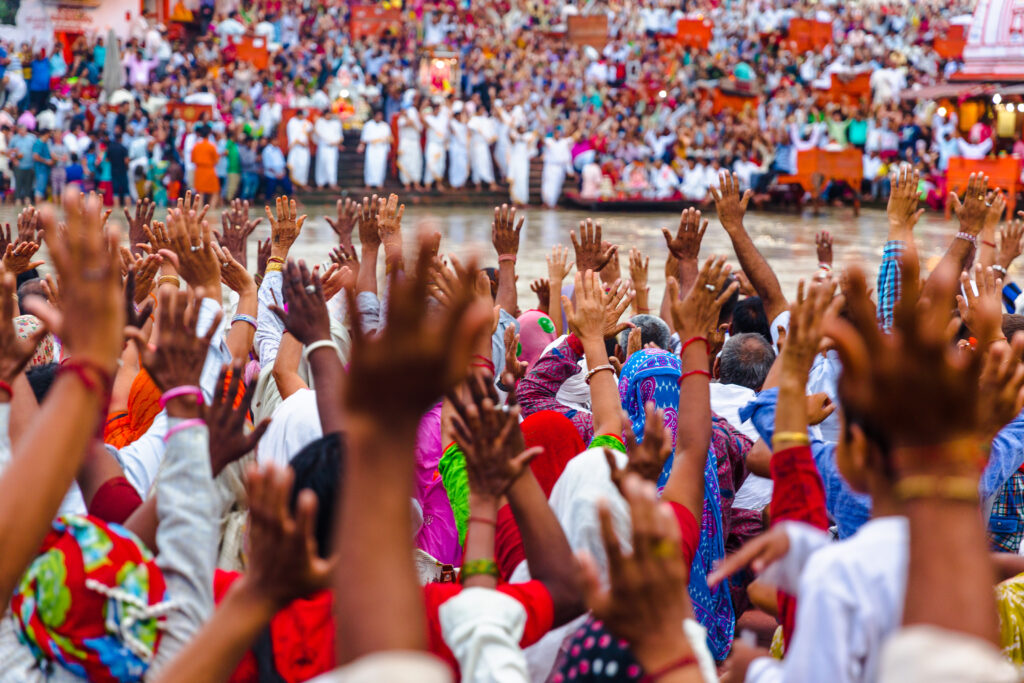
791	438
963	489
275	259
169	280
274	268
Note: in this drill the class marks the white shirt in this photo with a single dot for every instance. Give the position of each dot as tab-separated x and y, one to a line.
850	600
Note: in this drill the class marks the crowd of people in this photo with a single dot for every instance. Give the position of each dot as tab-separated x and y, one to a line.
319	473
635	118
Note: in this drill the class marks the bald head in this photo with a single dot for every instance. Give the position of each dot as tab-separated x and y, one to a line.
745	360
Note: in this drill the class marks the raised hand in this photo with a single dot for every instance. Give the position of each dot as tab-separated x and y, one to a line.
505	230
15	353
136	225
904	199
758	554
647	598
729	204
974	208
389	225
91	322
646	459
369	235
284	227
542	288
179	353
513	365
306	318
158	236
262	257
233	273
911	386
491	439
18	259
806	330
996	208
5	237
236	228
427	354
588	318
1010	242
697	314
638	267
28	225
981	305
823	243
348	214
193	255
145	267
685	245
590	255
283	560
135	315
225	418
558	264
612	270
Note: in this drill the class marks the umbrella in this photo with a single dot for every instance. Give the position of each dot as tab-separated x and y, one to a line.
113	72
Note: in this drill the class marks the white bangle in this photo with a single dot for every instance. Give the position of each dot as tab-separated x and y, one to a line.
999	269
323	343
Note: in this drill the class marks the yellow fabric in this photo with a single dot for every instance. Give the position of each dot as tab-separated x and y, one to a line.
1010	605
778	644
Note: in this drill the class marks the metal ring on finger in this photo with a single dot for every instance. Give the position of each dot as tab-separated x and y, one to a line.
311	289
710	287
196	247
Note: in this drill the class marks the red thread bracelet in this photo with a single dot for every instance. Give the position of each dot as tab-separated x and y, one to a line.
484	520
681	663
693	340
694	372
81	368
4	386
485	362
989	244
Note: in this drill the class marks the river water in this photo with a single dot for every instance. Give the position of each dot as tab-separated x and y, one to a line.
786	239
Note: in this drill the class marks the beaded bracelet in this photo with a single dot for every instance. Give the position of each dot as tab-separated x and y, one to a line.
599	368
244	318
681	663
967	237
178	392
478	568
694	340
693	372
4	386
182	426
999	269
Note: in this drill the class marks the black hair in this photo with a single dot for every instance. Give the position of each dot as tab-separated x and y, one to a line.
1012	324
749	316
318	467
40	378
745	360
728	308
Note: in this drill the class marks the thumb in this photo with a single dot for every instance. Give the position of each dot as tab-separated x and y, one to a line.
955	201
746	198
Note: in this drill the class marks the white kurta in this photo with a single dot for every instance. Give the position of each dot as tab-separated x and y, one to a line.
519	166
504	137
410	153
437	138
664	181
557	162
328	135
481	135
299	131
458	155
377	138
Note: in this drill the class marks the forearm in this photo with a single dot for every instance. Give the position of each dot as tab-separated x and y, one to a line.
286	367
366	281
382	587
641	302
604	392
954	564
555	306
987	246
218	648
685	484
757	270
791	410
23	407
954	260
43	465
506	296
328	375
546	548
241	334
483	510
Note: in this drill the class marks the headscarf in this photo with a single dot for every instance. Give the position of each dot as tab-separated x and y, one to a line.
25	326
651	375
561	441
92	601
536	331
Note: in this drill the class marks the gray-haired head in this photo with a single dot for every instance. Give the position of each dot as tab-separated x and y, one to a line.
745	360
652	329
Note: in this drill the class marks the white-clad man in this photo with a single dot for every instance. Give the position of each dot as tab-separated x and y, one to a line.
299	130
329	137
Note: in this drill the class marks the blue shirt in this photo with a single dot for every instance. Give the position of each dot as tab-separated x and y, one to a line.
42	148
40	79
273	161
889	282
24	144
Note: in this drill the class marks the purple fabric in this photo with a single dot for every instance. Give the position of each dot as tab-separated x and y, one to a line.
438	536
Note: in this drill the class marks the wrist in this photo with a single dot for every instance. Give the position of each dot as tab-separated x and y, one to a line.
259	600
183	407
660	650
279	251
484	505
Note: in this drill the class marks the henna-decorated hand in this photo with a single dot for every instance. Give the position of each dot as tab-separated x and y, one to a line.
348	214
685	246
285	227
505	230
225	418
590	254
136	225
236	228
306	318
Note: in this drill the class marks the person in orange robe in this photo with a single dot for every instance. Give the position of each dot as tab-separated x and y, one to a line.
204	156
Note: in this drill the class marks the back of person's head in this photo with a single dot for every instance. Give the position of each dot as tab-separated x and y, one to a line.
749	316
318	467
1012	324
40	378
652	329
745	360
728	308
30	287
